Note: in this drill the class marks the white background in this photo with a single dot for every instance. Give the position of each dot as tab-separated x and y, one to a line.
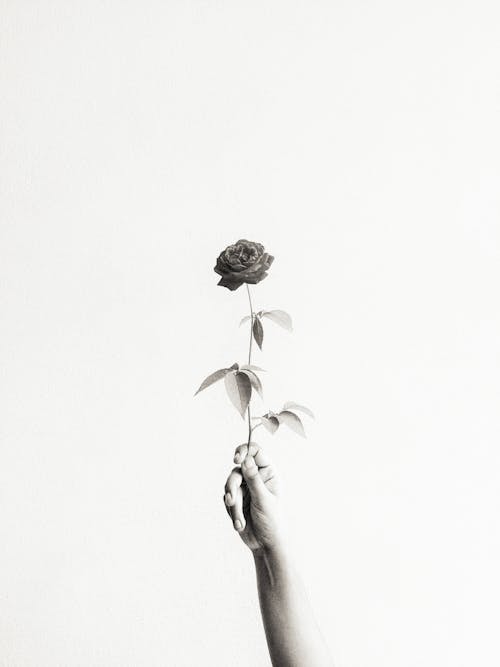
360	142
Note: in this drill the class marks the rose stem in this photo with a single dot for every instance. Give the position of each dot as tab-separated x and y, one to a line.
249	362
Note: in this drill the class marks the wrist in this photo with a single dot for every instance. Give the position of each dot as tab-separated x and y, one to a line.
274	566
272	554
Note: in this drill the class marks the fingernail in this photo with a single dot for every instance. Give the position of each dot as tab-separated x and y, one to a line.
248	461
237	524
237	458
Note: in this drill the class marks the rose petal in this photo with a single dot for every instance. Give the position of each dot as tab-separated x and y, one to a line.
238	267
253	280
220	271
230	283
254	268
269	260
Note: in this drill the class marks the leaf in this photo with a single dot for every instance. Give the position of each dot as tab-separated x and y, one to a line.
279	317
289	405
214	377
258	332
245	319
254	380
251	367
292	421
239	390
270	423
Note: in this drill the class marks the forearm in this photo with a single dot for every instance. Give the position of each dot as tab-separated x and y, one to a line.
293	638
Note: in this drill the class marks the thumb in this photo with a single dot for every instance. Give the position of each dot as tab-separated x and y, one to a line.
251	475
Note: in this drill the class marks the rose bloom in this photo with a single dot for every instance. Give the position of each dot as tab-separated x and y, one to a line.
243	262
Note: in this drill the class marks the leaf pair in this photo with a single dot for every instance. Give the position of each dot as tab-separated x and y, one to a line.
239	383
279	317
271	421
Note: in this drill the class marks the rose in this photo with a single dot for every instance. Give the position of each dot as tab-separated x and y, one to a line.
243	262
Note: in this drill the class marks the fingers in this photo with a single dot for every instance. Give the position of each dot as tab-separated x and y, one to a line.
266	470
255	471
233	499
261	459
233	483
254	481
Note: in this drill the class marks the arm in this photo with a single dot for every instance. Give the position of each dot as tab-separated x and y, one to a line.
252	501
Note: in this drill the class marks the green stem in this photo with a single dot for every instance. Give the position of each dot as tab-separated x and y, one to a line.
250	360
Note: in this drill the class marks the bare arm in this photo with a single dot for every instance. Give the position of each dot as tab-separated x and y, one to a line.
251	497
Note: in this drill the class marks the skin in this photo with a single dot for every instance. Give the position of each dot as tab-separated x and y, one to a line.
253	503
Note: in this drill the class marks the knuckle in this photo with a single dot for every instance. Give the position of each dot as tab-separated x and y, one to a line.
252	472
268	473
239	453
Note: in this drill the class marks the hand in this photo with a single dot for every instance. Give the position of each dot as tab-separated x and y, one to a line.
251	499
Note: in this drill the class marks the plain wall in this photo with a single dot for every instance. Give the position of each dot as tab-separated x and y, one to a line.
360	142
